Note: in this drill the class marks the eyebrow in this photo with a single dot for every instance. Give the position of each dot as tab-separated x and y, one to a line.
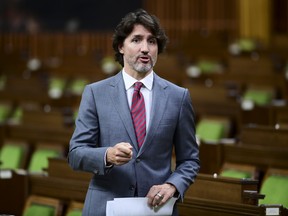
141	36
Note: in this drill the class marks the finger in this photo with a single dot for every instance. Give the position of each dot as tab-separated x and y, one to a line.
125	148
157	201
121	161
124	155
128	145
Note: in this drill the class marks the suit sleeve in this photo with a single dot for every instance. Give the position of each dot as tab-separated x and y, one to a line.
186	148
85	154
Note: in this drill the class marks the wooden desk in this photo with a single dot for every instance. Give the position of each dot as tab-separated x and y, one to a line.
37	133
14	192
264	136
223	189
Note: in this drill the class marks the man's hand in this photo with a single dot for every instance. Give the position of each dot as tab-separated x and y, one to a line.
120	154
159	194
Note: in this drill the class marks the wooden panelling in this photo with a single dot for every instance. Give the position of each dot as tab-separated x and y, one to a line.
256	155
36	134
264	136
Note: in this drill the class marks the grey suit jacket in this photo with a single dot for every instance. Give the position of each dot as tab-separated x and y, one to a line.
104	120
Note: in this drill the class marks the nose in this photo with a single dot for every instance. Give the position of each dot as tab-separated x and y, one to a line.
145	47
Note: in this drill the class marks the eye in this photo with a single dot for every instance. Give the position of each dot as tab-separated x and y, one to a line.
135	40
153	41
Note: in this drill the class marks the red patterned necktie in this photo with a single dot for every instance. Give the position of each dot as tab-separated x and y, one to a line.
138	113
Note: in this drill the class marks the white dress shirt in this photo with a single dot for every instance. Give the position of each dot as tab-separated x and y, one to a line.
146	91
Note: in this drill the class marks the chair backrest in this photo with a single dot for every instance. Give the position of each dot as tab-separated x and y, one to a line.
259	95
13	155
5	110
44	206
275	187
212	129
39	159
74	209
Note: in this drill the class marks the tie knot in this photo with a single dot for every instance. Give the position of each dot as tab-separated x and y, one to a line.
137	86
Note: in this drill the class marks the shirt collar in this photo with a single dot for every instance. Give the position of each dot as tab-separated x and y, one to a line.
129	81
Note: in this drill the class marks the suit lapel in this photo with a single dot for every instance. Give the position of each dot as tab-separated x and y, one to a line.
119	98
159	101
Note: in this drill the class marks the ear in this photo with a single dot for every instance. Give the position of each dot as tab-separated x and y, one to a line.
120	49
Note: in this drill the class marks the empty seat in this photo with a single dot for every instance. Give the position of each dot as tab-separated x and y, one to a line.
275	187
258	95
4	112
241	171
77	86
74	209
56	87
16	116
44	206
39	158
13	155
212	129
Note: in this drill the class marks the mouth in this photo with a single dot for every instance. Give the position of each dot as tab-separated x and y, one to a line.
144	59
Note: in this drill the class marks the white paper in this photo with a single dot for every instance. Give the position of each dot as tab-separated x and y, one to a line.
138	206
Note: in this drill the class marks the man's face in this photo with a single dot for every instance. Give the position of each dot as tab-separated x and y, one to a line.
140	51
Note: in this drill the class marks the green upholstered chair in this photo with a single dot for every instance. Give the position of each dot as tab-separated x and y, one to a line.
259	97
56	87
3	81
75	212
208	66
211	130
247	44
77	86
240	171
231	173
39	159
44	206
37	210
4	112
75	209
16	116
12	156
275	189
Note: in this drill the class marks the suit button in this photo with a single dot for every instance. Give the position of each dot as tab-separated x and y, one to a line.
138	160
131	187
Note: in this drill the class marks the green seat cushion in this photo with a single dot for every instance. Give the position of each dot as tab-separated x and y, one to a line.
259	97
37	210
210	130
207	66
275	189
57	83
39	160
11	156
4	112
247	45
76	212
78	86
235	174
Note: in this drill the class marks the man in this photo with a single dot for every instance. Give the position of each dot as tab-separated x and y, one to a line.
131	155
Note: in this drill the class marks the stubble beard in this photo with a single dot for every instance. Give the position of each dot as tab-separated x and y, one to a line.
142	67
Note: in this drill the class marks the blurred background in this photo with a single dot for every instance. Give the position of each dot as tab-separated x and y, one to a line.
232	55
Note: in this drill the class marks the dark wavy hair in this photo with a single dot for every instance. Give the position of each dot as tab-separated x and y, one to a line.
125	27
